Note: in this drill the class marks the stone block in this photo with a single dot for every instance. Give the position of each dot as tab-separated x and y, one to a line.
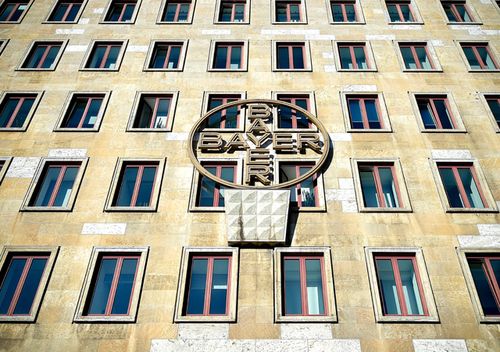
306	331
23	167
439	345
104	228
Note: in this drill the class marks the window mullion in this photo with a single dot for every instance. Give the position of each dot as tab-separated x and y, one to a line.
85	112
290	57
124	8
460	187
400	13
154	113
20	285
399	286
364	115
437	118
415	57
353	57
137	185
478	57
344	12
303	286
167	56
68	10
16	111
57	185
208	286
218	172
378	186
223	114
114	284
105	56
44	55
478	185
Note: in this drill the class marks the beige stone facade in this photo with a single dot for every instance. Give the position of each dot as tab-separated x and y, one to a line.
342	228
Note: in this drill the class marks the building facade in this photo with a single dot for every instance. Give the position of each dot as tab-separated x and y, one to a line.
111	239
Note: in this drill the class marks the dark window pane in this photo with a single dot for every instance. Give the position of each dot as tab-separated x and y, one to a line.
355	113
197	285
372	114
393	13
66	187
125	285
426	113
73	12
451	188
231	117
485	57
283	59
308	196
183	12
471	58
483	287
36	56
112	57
423	58
227	174
470	188
369	189
173	59
350	12
46	189
92	113
387	286
10	282
8	108
146	187
76	113
407	15
127	185
159	56
51	56
294	13
314	285
495	109
337	13
207	190
449	13
220	57
443	113
214	121
59	12
102	287
30	286
345	58
97	56
129	11
23	112
235	57
298	57
495	265
162	113
464	15
388	187
359	54
408	58
293	296
239	12
170	12
114	13
410	287
281	12
226	12
219	286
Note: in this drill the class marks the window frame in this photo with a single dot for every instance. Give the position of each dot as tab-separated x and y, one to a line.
109	6
45	162
51	252
171	112
243	60
217	12
13	94
156	190
163	8
302	13
3	170
398	178
33	46
484	97
309	95
481	183
158	42
367	48
87	58
360	18
233	274
469	280
54	7
429	49
207	95
196	179
306	51
489	48
382	110
105	95
328	284
455	115
413	9
421	272
475	19
97	252
28	5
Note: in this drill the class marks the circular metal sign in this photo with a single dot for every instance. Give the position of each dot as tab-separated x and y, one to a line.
256	136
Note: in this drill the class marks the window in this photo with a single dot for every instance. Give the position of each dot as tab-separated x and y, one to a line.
493	102
16	110
112	285
24	275
13	10
104	56
457	11
43	55
435	113
136	185
286	11
291	118
291	56
416	56
166	56
210	193
121	11
304	194
83	111
304	285
208	284
479	56
177	11
228	56
55	185
343	11
401	11
364	112
401	289
232	11
226	118
354	56
4	165
153	112
67	11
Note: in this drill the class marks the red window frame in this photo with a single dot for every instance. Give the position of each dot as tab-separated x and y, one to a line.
399	285
218	173
114	283
70	4
398	4
288	4
229	47
169	47
415	56
124	4
44	56
155	110
490	275
303	283
89	99
21	98
178	10
478	57
59	180
224	100
290	47
208	284
351	48
106	53
14	9
292	99
458	180
364	115
497	99
344	12
378	184
456	13
138	181
22	280
232	4
434	113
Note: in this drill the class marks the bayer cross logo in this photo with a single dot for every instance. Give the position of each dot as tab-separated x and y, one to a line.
259	139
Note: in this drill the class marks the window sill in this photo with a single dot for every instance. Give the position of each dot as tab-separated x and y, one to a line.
457	130
231	23
348	23
85	69
385	210
207	209
104	319
320	209
471	210
413	70
369	130
289	23
205	319
116	22
11	22
162	69
464	23
489	319
130	209
73	130
406	23
46	209
292	70
13	129
174	22
35	69
407	319
475	70
60	22
357	70
148	130
18	319
227	70
305	319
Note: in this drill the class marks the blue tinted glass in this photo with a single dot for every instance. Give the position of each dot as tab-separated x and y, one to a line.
6	12
239	12
298	58
355	113
92	113
393	13
294	13
345	58
464	15
407	15
124	286
308	197
227	174
350	12
302	121
173	59
73	12
102	287
285	117
283	60
46	189
410	287
97	57
162	113
408	58
127	186
30	286
76	113
426	114
8	108
170	12
495	265
369	189
114	13
9	283
359	54
451	188
387	286
388	187
337	12
293	295
23	112
220	57
183	13
449	13
231	117
235	57
423	58
372	114
470	188
214	121
66	187
197	285
51	57
314	285
483	287
281	12
227	11
112	57
486	58
444	116
146	187
36	56
495	109
129	11
159	57
207	189
218	297
471	58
